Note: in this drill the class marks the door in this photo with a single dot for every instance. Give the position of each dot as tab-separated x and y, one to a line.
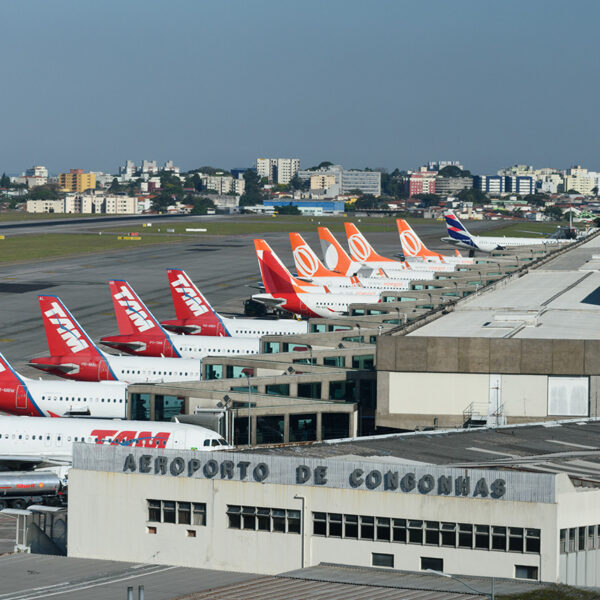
103	373
21	398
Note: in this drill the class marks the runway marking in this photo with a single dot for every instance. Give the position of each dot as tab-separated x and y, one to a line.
6	340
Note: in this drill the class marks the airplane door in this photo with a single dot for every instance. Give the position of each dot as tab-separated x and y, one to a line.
103	371
21	398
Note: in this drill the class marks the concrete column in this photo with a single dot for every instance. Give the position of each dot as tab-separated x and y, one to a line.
294	390
152	407
286	428
319	426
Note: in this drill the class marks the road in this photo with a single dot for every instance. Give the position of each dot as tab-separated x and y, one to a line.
222	267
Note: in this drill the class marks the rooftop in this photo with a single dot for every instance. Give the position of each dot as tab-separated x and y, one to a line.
560	300
35	576
571	447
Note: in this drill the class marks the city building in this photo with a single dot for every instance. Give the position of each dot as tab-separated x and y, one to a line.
223	184
582	181
422	182
517	171
37	171
76	181
448	186
490	184
438	165
309	207
277	170
149	166
86	204
439	500
368	182
128	169
519	184
322	182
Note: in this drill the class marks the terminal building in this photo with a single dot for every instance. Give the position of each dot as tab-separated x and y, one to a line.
512	502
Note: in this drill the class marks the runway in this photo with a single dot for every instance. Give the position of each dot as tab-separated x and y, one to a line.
221	266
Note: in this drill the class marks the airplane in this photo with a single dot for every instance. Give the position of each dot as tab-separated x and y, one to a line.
414	248
73	355
312	270
284	291
195	316
337	259
362	251
459	236
20	395
141	334
27	443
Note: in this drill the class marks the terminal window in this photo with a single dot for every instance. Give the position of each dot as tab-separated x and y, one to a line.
179	513
258	518
434	533
578	539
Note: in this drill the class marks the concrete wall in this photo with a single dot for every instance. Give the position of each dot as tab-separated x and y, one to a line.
489	355
108	520
430	381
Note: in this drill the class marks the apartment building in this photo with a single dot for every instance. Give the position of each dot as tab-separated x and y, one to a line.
76	181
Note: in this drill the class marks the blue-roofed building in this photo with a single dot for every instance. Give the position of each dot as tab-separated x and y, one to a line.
310	207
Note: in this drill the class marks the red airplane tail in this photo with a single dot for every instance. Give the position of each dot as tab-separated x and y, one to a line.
8	376
132	315
188	301
64	334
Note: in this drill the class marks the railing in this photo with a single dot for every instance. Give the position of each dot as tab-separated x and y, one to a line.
480	412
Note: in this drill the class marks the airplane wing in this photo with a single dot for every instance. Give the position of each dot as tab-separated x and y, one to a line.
14	462
268	301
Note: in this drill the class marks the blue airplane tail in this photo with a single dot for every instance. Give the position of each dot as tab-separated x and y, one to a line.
457	231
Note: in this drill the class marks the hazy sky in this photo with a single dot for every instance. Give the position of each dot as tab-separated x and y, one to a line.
362	83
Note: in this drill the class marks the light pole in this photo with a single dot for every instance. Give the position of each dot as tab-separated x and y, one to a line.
310	349
248	373
442	574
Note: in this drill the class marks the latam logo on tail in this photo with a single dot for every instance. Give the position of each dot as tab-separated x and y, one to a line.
142	439
305	261
410	243
187	291
66	328
133	309
359	246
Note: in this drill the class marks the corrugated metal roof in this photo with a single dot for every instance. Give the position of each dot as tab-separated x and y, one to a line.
280	588
410	580
571	447
35	576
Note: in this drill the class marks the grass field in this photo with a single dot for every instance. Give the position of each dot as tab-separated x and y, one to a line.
525	229
53	245
263	224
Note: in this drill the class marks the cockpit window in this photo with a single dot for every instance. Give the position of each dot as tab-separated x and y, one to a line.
206	443
215	442
222	442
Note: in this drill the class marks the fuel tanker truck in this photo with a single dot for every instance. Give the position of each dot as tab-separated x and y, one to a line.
19	489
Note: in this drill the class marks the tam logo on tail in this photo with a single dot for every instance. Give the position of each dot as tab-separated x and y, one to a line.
66	328
186	289
134	310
